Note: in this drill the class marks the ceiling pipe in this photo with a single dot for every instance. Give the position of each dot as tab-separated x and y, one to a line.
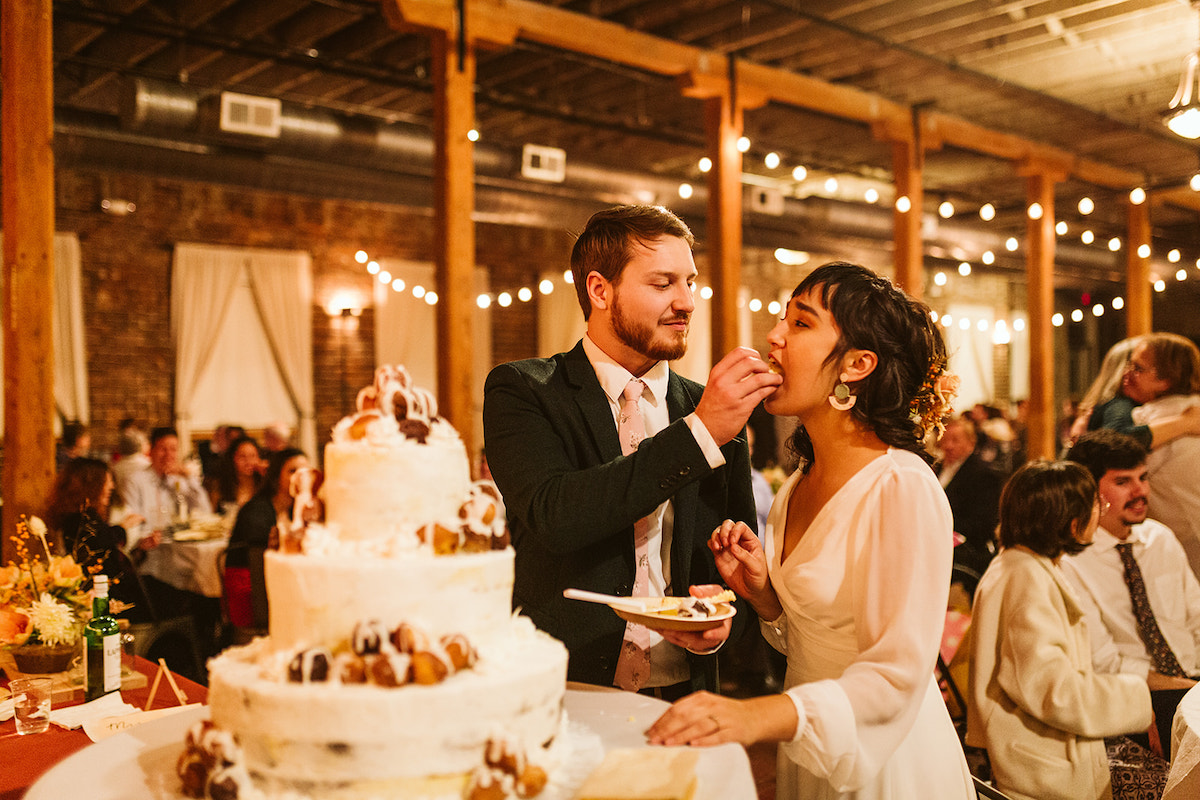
175	118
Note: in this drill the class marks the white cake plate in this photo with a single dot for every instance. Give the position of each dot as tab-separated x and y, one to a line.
141	762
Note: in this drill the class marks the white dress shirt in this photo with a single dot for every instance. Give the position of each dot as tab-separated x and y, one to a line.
157	499
1172	467
668	664
1098	576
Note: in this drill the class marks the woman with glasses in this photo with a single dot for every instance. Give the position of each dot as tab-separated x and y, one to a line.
1161	365
1036	704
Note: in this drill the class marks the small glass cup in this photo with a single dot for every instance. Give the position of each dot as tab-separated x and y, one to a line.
31	704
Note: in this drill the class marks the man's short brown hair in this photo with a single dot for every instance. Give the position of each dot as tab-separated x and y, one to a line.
607	242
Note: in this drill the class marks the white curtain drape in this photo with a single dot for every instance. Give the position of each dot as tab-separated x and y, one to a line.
282	286
204	284
406	331
70	351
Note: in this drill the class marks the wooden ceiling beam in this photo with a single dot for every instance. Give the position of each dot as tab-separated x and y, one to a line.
501	21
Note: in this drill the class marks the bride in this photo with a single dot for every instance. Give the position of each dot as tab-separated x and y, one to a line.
852	575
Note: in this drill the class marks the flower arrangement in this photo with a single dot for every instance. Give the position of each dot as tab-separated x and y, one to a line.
42	601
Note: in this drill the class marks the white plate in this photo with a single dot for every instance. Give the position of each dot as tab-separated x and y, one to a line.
670	621
140	763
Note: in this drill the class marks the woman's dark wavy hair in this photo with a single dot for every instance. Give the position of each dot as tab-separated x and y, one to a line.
275	466
1041	502
873	314
227	479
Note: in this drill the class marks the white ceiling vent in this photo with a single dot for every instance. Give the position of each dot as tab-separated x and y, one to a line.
766	200
541	163
244	113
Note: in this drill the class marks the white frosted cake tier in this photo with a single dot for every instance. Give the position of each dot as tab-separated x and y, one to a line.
385	487
316	601
390	741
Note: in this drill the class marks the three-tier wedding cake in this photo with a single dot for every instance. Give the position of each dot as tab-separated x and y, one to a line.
394	667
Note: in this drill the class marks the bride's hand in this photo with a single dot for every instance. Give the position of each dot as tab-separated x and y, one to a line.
740	559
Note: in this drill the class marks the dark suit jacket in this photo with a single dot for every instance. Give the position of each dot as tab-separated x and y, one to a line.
572	500
974	495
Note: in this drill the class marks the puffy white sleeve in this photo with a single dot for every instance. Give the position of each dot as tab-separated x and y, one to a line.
899	571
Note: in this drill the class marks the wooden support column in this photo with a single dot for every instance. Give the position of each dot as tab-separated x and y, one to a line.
725	101
454	202
723	127
1139	315
27	164
909	252
1039	274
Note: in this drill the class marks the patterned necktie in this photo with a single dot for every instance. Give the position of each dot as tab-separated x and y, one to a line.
633	664
1160	652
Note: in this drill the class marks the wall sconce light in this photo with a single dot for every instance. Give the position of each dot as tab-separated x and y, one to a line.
117	207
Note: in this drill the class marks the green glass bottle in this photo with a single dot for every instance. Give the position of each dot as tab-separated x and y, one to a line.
103	638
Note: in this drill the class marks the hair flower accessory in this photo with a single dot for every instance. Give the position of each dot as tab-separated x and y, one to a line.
932	403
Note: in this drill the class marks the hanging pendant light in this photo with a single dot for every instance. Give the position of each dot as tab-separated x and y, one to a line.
1183	114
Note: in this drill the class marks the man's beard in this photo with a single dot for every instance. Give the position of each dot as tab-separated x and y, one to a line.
640	337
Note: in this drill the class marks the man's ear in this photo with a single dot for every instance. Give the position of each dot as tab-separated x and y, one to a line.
858	364
599	290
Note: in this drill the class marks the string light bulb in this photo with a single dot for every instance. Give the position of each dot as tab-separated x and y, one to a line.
987	212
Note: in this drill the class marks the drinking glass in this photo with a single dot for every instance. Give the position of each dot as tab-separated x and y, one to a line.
31	704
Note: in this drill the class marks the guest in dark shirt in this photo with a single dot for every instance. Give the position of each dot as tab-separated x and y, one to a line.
973	489
77	516
252	531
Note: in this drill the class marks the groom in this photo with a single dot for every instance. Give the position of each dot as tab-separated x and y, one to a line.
583	514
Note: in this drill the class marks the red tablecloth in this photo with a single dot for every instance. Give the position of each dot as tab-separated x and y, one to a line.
26	758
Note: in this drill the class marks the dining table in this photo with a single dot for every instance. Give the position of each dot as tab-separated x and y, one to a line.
189	556
139	762
26	759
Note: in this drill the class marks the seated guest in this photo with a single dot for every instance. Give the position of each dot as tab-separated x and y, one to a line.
277	436
269	508
973	489
1160	366
163	491
1035	702
132	455
1173	466
238	476
75	442
1140	597
77	517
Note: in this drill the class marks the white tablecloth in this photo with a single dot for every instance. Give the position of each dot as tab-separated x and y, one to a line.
1183	782
189	565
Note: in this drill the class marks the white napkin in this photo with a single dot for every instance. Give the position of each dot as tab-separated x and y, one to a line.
6	709
72	717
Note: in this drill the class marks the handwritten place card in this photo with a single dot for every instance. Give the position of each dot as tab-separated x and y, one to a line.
98	729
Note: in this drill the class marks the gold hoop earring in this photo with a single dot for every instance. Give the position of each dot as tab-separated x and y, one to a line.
841	399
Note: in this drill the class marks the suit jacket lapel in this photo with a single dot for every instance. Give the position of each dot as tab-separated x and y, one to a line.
592	403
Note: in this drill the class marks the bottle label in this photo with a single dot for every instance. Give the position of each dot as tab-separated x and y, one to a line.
112	662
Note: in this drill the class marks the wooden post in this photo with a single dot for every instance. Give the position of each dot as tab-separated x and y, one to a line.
1139	314
1039	273
909	255
723	127
454	203
27	164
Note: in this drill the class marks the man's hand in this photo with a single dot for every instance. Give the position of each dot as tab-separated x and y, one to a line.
736	385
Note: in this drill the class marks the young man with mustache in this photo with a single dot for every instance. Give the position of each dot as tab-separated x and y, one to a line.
598	499
1140	596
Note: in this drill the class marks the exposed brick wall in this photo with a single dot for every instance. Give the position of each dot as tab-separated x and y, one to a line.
127	274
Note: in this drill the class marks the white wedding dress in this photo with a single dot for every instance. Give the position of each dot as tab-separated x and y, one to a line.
864	597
